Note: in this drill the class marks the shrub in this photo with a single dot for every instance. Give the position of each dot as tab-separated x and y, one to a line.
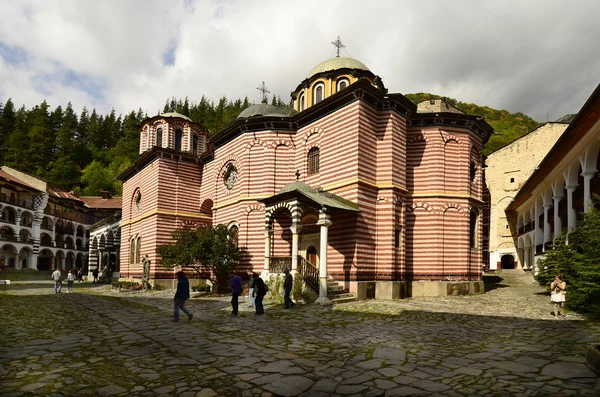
201	288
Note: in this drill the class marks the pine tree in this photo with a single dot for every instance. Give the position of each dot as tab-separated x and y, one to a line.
578	262
17	143
7	125
41	139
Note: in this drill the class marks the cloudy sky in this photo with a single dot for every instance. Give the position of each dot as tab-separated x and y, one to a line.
538	57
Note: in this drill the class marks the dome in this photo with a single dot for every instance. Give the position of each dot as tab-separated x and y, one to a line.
264	109
337	63
175	114
299	186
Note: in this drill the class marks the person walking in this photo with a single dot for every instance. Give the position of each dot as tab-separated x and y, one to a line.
57	277
287	289
80	275
236	290
557	291
70	281
181	295
251	291
95	274
260	289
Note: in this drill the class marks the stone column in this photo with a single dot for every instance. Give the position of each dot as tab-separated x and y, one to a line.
547	236
587	197
18	226
268	233
295	237
557	222
324	222
571	214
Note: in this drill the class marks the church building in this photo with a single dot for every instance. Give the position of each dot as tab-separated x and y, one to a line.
352	188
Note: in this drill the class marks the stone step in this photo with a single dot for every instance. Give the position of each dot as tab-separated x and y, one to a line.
516	276
348	299
341	295
337	292
335	287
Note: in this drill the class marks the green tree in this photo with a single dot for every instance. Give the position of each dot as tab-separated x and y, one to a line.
7	125
96	178
17	144
205	250
579	263
63	173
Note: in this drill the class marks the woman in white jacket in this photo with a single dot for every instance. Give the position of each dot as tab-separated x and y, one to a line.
557	291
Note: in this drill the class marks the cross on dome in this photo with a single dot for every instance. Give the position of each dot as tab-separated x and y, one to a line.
263	92
338	45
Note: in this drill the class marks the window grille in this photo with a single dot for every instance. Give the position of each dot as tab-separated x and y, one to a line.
313	161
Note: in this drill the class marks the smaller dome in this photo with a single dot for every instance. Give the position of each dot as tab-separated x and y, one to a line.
264	109
175	114
337	63
299	186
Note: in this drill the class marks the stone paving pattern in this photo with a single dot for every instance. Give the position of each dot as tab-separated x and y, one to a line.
99	342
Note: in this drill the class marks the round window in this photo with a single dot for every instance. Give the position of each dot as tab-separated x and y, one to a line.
230	176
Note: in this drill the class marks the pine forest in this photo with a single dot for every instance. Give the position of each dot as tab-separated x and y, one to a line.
85	152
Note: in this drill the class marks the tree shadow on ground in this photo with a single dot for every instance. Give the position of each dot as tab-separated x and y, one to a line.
493	282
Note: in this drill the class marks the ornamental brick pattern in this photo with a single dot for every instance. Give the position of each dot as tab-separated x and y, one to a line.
416	179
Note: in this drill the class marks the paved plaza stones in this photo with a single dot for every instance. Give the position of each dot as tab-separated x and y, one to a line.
98	342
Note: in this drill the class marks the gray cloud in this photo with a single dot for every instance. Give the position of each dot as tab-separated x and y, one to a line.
537	57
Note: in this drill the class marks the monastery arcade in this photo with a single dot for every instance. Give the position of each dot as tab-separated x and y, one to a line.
561	187
44	228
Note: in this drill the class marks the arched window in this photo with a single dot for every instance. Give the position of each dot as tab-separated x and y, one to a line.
132	251
318	93
234	234
138	249
195	144
138	200
230	176
159	137
473	171
473	230
342	83
178	139
313	160
301	105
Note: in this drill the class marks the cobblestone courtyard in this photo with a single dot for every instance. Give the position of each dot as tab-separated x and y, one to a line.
96	342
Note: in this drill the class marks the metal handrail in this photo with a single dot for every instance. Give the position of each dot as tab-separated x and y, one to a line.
278	263
309	273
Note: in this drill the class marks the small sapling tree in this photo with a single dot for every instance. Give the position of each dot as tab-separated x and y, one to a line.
205	250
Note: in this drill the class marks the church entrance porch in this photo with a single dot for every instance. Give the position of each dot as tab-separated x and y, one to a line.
297	222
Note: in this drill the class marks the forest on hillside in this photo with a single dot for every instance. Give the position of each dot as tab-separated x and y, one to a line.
85	152
507	126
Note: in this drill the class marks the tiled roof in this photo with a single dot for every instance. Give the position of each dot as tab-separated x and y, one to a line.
61	194
99	202
11	178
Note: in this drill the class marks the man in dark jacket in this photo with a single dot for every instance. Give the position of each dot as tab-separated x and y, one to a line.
182	294
287	289
260	291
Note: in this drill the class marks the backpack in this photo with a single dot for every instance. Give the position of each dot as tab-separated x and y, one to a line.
266	288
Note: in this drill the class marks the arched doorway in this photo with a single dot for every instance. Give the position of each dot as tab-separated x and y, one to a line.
311	255
8	255
24	258
507	262
46	260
